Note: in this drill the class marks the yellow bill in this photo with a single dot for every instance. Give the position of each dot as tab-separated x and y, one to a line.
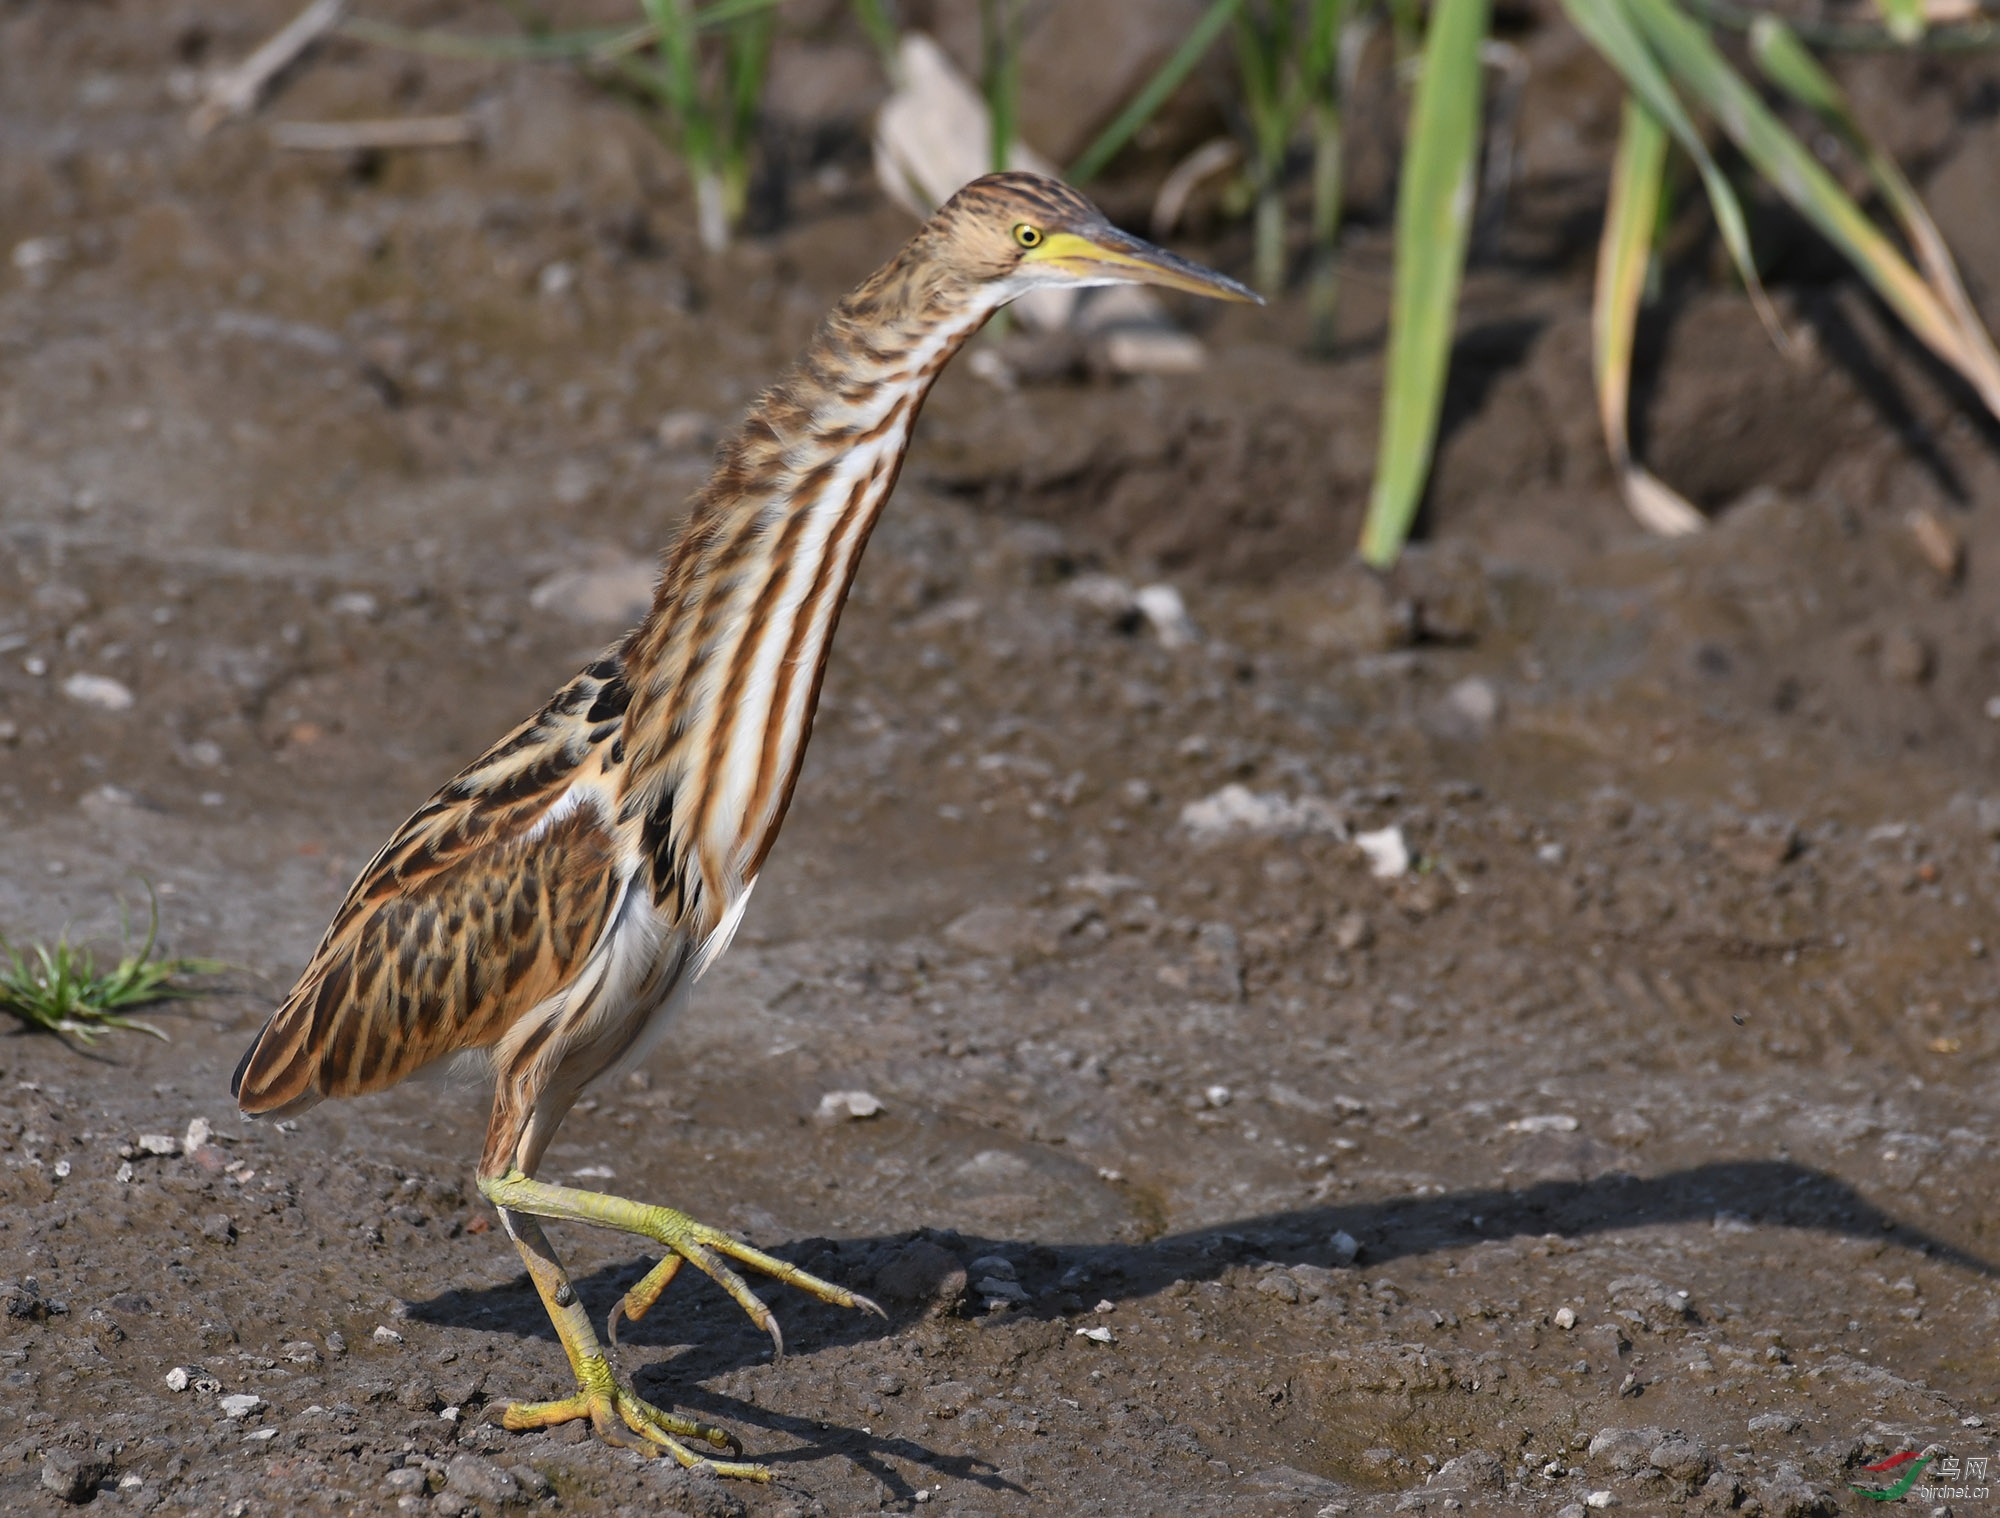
1114	257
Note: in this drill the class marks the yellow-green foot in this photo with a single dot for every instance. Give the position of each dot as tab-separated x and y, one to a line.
709	1250
625	1419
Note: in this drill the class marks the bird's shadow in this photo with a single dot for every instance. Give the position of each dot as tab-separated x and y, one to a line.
712	1337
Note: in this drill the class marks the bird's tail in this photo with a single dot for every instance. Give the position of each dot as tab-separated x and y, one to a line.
276	1077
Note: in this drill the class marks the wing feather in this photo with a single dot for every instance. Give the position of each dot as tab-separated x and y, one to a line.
485	904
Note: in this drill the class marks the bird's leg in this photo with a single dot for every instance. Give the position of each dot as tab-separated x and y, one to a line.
704	1247
600	1397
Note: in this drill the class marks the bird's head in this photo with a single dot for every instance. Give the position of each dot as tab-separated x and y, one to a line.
1015	232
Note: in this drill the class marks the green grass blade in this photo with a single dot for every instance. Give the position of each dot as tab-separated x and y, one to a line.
1638	178
1796	174
1786	63
1611	28
881	29
1904	19
1433	221
59	987
1200	38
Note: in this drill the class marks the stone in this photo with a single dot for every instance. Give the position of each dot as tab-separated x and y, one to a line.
1649	1295
74	1476
474	1477
1773	1423
1345	1248
217	1229
847	1106
922	1273
1625	1450
99	691
1565	1318
419	1394
1472	708
1684	1459
1167	614
1236	811
240	1404
1789	1495
1001	931
1474	1471
1387	853
1940	543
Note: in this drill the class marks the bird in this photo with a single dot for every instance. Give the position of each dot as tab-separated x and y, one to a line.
550	909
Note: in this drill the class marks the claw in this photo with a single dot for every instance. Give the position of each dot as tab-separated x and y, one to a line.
626	1420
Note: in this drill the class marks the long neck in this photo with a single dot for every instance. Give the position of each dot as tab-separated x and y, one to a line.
725	672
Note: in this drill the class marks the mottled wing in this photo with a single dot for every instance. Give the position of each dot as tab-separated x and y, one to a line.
484	905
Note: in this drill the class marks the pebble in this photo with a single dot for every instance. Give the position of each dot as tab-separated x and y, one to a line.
1098	1334
100	691
1473	707
1218	1096
1773	1423
1353	931
1938	541
839	1106
355	603
1547	1122
1600	1500
997	1266
1346	1249
1565	1317
1167	614
241	1404
1236	810
177	1379
386	1335
1388	854
159	1143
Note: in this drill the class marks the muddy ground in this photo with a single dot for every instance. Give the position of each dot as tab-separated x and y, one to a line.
1657	1097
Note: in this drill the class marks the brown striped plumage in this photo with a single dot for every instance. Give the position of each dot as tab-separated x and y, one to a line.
551	905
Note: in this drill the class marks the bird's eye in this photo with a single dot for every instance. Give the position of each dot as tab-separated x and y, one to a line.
1027	236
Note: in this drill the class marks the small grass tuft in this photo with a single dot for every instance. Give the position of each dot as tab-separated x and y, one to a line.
59	987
